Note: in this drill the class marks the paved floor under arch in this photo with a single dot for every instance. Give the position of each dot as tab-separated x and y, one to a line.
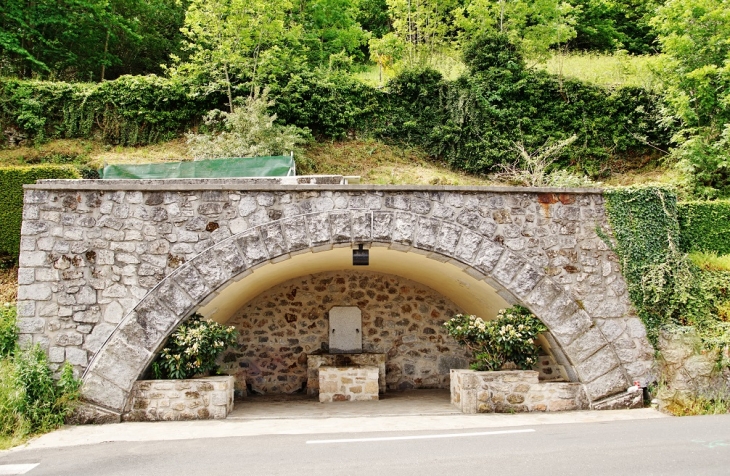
286	406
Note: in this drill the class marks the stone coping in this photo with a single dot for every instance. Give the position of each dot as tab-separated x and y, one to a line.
299	183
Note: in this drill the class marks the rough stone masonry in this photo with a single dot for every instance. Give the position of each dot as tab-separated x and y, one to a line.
109	268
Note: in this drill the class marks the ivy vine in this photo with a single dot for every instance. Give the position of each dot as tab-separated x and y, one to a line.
664	285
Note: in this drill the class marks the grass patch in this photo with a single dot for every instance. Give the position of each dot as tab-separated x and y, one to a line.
379	163
448	63
375	161
710	261
93	153
611	70
697	405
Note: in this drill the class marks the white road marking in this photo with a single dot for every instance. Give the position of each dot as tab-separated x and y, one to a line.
419	437
16	468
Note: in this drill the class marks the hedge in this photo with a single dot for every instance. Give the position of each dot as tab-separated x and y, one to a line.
471	123
705	226
12	180
130	110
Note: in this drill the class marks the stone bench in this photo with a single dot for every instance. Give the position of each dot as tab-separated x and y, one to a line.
348	384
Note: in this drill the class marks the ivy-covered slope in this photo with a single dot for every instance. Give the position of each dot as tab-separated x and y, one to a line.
666	288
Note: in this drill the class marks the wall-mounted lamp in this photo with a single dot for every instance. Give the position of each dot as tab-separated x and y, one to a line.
360	256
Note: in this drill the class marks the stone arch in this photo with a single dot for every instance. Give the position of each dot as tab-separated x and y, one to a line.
128	351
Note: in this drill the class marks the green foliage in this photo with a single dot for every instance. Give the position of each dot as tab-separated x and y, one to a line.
704	158
331	104
31	401
131	110
228	40
710	261
511	338
532	26
705	226
43	401
646	230
12	180
474	122
665	285
193	349
373	17
52	37
695	69
330	27
8	330
603	25
249	131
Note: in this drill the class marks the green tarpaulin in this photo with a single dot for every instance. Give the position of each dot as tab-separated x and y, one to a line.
278	166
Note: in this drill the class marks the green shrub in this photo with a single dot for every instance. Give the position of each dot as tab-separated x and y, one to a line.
42	401
8	330
31	401
331	104
12	180
193	349
511	338
705	226
249	131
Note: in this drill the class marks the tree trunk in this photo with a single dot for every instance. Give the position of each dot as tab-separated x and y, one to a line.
228	85
106	49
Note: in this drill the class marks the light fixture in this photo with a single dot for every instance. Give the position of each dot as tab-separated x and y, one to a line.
360	256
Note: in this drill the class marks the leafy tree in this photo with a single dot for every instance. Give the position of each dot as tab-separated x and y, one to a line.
424	26
608	25
330	27
155	37
385	51
228	41
534	26
373	16
60	38
696	69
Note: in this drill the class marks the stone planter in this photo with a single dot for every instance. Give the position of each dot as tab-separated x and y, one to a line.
513	391
192	399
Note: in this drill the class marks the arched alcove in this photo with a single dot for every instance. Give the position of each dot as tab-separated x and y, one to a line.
130	348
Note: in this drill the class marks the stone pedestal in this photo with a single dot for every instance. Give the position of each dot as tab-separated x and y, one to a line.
315	361
512	391
348	384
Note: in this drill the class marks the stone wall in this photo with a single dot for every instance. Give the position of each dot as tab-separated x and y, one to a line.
513	391
109	268
400	318
687	370
348	384
191	399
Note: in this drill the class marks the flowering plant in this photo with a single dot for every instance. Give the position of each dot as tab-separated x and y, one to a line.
512	337
193	349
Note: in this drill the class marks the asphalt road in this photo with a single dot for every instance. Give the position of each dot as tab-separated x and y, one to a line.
667	446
